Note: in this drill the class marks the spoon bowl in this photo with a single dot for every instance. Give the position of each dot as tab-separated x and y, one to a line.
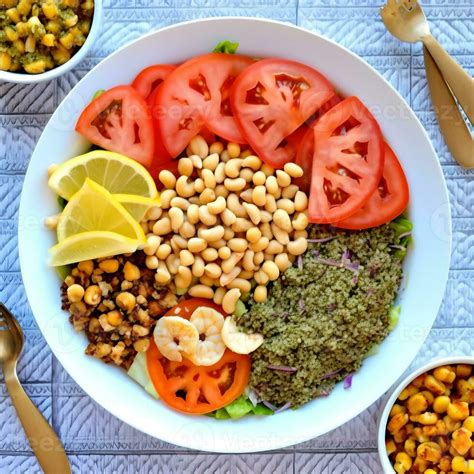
11	338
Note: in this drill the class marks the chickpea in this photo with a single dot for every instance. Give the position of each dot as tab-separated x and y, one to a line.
259	195
151	262
459	464
198	146
131	272
230	300
75	293
92	295
458	410
397	422
217	206
461	440
86	266
230	276
114	318
283	178
211	161
440	404
126	301
469	423
167	178
298	246
429	451
434	385
444	374
463	370
141	345
253	212
390	446
403	463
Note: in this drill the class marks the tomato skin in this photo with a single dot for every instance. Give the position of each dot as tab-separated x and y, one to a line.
342	179
115	120
382	208
305	150
198	381
231	373
148	79
270	103
195	95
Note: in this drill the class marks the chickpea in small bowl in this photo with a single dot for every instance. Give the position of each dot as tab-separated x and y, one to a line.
41	39
427	423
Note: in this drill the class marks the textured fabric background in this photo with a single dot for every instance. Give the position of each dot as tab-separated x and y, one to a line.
97	442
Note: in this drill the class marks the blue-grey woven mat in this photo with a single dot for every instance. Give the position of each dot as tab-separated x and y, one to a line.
97	442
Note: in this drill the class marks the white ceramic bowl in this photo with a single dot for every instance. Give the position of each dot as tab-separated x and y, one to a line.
426	265
24	78
399	386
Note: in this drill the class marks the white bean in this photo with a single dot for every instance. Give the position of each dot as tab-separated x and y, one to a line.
230	299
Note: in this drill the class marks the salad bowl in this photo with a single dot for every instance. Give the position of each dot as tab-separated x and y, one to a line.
419	298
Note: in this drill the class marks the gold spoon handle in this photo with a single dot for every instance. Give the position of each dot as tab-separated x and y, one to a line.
455	131
460	82
43	440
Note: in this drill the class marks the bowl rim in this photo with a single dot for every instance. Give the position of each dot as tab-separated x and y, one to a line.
270	445
24	78
396	390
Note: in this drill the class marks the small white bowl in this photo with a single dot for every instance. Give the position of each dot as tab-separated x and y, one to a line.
398	387
25	78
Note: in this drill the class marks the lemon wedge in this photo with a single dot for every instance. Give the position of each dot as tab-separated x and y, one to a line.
137	206
91	245
93	208
115	172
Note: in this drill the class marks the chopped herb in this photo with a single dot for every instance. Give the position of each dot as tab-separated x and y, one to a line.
226	47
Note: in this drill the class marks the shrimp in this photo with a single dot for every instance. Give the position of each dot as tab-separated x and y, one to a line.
239	342
175	337
210	347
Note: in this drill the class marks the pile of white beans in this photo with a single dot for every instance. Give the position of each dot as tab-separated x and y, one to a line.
228	219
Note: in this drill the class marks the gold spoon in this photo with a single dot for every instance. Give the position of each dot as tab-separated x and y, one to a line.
456	134
43	440
407	22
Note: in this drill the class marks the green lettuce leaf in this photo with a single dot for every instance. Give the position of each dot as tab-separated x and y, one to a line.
239	408
393	316
226	47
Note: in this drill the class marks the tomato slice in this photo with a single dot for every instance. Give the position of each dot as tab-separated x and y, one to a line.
195	94
197	389
193	389
271	99
151	77
347	163
119	120
388	201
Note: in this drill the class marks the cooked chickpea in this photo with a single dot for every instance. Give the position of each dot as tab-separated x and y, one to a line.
126	301
131	272
444	374
440	404
403	463
114	318
92	295
86	266
458	410
75	293
417	404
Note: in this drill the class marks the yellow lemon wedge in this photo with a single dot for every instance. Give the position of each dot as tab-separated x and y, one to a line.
137	206
91	245
93	208
115	172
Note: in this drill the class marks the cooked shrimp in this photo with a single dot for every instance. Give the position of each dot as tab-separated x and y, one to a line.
175	337
210	347
239	342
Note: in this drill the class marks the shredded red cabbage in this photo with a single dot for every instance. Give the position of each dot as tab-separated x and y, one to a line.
283	408
322	240
282	368
330	374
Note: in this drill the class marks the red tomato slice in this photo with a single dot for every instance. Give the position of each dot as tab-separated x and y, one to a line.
305	150
347	163
194	389
151	77
119	120
271	99
197	390
388	201
195	94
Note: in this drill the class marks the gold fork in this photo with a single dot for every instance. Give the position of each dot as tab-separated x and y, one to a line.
407	22
43	440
